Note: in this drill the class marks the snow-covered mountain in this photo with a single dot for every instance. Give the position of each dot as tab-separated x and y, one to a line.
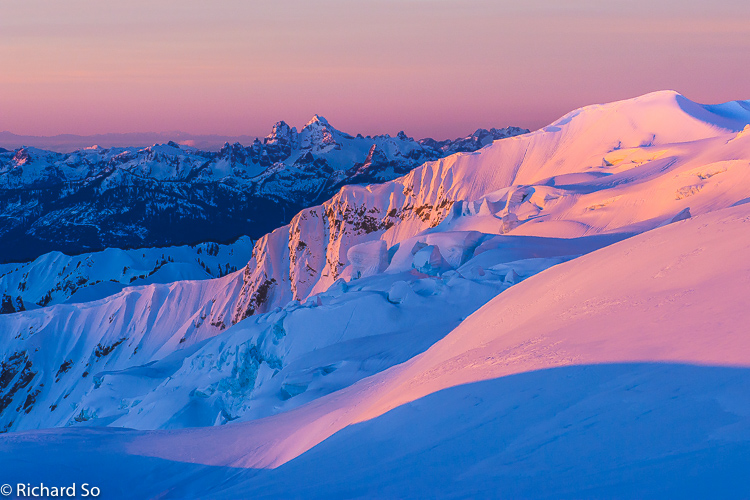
66	143
56	278
169	194
559	314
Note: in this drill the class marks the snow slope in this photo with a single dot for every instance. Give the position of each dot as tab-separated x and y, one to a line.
361	351
155	356
56	278
617	374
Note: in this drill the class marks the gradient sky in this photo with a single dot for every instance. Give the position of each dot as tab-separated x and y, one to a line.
437	68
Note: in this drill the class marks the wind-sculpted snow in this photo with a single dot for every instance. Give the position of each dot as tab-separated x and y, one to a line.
615	235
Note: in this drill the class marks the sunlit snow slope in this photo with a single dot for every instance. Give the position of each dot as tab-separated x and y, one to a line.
374	361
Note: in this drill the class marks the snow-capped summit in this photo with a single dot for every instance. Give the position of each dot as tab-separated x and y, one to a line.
282	134
318	136
280	130
316	121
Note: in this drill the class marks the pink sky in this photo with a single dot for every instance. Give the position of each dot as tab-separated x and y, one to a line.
437	68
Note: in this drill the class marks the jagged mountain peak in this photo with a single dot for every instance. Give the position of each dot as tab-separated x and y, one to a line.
21	157
281	134
402	135
317	120
281	129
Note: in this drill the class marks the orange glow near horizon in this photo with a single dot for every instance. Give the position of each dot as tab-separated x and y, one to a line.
438	68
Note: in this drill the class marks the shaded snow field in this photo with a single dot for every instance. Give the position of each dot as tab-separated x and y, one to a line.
567	319
56	278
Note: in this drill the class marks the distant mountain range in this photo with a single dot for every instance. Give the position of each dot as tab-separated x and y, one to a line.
172	194
66	143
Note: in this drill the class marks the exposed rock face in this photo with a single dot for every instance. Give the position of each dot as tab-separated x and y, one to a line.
9	305
317	241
